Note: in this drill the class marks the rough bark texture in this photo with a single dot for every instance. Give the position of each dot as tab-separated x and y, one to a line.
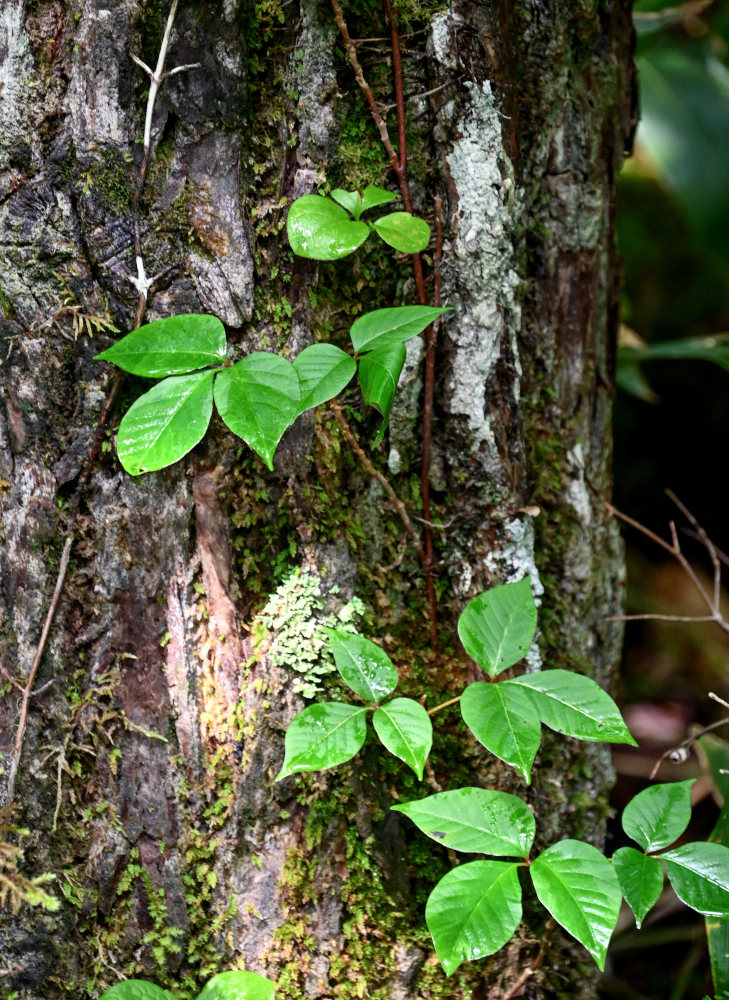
146	777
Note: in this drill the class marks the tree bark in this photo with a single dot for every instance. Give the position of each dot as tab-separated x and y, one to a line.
147	763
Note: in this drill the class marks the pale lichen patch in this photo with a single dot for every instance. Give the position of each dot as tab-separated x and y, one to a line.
480	268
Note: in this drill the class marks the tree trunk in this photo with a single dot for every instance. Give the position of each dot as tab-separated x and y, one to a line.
156	728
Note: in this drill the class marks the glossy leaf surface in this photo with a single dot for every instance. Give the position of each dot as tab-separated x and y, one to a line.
405	729
384	327
136	989
372	196
364	665
497	627
575	705
699	874
258	398
323	370
504	720
350	200
320	229
579	887
165	423
379	372
641	880
323	736
237	985
473	911
475	819
658	815
170	346
403	231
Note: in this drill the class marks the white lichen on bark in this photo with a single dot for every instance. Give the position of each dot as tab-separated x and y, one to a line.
16	66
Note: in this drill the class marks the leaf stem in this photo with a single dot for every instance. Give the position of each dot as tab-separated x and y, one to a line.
446	704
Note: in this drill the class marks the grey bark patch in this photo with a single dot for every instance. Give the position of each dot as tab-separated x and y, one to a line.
100	89
16	68
222	274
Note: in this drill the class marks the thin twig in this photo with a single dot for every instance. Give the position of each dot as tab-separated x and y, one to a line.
531	969
382	480
28	689
674	549
365	87
660	618
142	283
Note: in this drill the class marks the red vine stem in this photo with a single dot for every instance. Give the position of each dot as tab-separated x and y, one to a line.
398	161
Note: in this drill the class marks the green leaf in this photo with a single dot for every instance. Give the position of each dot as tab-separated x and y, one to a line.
641	880
350	200
383	327
699	874
321	230
323	736
575	705
136	989
658	815
165	423
170	346
504	720
579	887
364	665
258	398
323	370
497	627
372	196
475	819
379	372
405	729
236	985
717	758
473	911
403	231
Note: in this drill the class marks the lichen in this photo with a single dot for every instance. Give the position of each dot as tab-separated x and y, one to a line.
481	265
295	614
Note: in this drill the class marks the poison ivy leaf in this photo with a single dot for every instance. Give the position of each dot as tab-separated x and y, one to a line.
383	327
717	938
699	874
372	196
504	719
379	372
348	199
473	911
403	231
136	989
641	880
258	398
574	705
321	230
170	346
323	371
658	815
579	887
236	985
475	819
323	736
165	423
405	729
497	627
364	665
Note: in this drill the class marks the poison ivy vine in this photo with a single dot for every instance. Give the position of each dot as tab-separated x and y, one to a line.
476	908
259	396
